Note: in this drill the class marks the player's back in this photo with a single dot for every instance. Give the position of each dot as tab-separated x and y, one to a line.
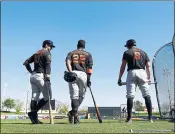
136	58
40	60
80	59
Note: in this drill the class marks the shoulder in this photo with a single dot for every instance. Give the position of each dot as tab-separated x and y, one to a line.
127	51
86	53
142	51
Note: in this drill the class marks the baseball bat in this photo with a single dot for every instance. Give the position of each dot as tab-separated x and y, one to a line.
96	108
49	103
124	83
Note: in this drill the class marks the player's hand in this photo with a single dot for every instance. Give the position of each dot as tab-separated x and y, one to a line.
119	82
88	83
47	77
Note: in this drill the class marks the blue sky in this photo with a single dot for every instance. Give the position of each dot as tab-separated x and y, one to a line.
104	25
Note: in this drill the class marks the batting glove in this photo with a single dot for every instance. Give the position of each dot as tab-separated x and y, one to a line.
119	82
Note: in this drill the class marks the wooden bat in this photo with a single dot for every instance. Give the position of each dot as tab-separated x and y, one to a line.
96	108
49	103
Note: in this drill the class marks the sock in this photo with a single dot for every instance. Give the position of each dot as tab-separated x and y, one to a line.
80	100
33	105
129	107
148	106
74	104
41	103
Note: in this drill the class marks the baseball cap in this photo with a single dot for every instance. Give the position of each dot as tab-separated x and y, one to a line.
130	42
48	42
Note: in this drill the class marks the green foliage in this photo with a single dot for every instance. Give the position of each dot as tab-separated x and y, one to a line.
9	104
64	108
138	106
18	106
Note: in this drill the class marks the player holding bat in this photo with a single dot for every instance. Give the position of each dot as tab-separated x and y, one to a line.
79	65
40	80
137	60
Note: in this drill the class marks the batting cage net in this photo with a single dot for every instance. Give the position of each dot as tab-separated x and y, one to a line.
163	72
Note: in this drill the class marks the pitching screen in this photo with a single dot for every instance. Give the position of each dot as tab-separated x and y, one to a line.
163	69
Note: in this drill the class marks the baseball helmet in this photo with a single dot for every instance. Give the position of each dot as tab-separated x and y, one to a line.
48	42
130	43
70	76
81	44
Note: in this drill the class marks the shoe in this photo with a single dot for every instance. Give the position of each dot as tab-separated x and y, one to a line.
151	121
128	120
31	117
70	117
37	121
76	119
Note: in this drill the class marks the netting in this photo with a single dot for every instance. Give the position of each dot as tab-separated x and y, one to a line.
163	69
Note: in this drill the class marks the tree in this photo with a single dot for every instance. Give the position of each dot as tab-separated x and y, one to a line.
18	106
138	106
64	108
58	105
9	104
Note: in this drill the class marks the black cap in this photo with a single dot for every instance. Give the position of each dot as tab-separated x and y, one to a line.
81	44
48	42
130	42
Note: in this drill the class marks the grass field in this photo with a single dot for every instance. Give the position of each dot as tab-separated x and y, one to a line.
85	126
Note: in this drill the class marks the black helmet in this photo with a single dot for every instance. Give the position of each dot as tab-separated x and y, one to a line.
130	43
48	42
81	44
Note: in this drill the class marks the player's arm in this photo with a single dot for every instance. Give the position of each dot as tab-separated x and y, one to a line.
89	65
48	66
28	62
122	67
148	67
68	62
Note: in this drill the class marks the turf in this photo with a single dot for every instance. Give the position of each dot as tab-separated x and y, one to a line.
85	126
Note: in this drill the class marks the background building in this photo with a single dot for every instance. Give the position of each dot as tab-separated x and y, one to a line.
105	112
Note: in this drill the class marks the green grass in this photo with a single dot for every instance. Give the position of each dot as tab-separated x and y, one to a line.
85	126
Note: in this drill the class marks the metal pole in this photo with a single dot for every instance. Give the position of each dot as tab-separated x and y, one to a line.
5	85
28	93
157	94
167	75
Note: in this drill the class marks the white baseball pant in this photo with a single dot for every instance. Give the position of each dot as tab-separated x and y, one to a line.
137	77
77	88
38	86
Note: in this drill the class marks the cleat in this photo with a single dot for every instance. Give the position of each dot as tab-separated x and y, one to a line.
37	121
31	117
128	121
76	119
151	121
70	117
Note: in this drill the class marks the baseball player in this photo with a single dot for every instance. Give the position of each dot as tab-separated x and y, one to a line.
40	79
137	60
79	62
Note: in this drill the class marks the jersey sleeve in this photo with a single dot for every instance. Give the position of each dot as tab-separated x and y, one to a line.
89	61
146	57
125	56
29	60
69	56
48	63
